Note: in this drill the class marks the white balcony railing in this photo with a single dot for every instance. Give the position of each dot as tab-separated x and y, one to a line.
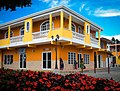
78	36
16	39
94	41
38	35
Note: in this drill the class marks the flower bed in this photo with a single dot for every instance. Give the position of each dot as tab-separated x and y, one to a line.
11	80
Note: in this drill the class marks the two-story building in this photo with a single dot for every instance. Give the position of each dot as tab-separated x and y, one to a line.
39	40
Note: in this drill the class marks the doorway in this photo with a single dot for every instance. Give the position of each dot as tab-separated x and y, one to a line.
46	56
22	60
79	59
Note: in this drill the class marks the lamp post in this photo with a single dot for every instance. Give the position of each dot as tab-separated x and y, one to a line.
108	64
56	40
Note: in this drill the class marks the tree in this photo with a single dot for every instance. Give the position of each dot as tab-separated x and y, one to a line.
113	40
12	4
117	41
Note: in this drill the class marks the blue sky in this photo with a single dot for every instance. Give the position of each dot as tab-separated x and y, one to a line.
105	13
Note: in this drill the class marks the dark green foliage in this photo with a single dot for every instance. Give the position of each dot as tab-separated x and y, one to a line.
12	4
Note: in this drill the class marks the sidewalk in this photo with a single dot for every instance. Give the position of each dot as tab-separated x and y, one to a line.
103	73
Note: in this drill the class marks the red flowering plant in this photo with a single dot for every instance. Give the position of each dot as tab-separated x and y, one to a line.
11	80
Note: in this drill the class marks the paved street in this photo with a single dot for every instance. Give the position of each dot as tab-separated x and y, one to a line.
103	73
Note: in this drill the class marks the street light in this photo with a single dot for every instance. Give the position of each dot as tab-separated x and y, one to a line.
108	64
55	39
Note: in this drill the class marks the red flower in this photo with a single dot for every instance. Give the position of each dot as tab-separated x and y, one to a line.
45	79
35	84
33	77
18	85
29	89
92	87
106	88
87	87
82	88
24	89
66	80
33	90
40	80
27	83
94	82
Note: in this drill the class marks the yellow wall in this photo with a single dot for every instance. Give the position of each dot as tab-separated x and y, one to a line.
87	36
28	34
104	55
16	31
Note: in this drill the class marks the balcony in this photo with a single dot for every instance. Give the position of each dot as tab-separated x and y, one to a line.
94	42
78	37
40	35
16	39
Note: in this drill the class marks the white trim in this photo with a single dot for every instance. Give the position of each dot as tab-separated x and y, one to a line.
74	26
48	23
87	29
10	33
20	30
47	58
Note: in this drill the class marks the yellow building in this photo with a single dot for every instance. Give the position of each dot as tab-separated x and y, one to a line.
39	40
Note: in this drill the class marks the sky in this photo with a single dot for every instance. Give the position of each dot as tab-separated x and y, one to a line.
105	13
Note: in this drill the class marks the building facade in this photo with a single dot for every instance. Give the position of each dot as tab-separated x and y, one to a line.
115	49
39	40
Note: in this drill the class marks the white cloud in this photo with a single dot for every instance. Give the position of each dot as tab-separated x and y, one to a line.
53	3
100	12
82	6
110	37
46	1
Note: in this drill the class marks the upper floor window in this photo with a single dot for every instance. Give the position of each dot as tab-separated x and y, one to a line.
27	26
11	34
73	27
88	29
102	45
80	30
22	31
46	26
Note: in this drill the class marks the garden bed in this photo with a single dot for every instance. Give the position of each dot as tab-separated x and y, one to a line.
11	80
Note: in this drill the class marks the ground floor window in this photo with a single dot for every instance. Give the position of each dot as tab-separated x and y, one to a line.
8	59
86	58
71	57
46	60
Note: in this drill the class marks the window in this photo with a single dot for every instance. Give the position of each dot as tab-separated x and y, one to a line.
8	59
46	26
27	26
11	34
73	27
86	58
102	45
88	29
71	57
80	30
22	31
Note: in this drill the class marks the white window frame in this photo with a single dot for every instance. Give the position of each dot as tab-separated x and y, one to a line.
87	29
7	34
72	57
9	60
47	26
22	30
74	27
86	58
